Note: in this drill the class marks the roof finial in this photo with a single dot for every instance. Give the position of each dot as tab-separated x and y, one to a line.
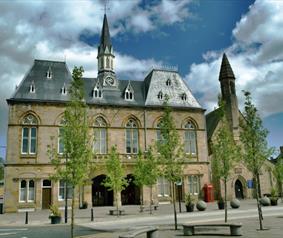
105	6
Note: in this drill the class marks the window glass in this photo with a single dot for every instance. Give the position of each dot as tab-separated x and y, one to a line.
132	140
190	138
31	191
23	191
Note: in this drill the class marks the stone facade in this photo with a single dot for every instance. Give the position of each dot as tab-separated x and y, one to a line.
38	167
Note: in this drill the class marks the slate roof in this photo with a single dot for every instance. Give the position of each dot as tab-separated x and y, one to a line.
105	39
212	120
226	69
145	92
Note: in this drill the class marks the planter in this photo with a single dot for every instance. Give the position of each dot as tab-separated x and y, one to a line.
55	219
265	201
84	205
190	207
235	203
201	205
221	205
273	201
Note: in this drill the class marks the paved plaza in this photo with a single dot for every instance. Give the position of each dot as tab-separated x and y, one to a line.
112	226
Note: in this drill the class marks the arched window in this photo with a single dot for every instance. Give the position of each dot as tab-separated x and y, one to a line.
168	82
159	137
100	145
190	138
97	91
132	138
49	73
61	137
184	97
32	87
27	191
129	92
107	62
160	95
29	134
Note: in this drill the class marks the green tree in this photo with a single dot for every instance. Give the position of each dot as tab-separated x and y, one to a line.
278	173
146	173
1	168
75	165
115	179
170	151
225	152
254	146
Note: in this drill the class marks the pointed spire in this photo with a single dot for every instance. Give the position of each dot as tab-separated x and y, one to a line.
226	69
105	35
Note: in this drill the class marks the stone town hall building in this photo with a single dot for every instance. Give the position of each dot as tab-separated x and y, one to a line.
125	113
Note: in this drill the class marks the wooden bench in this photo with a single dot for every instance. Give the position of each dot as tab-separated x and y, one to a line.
235	228
114	212
151	232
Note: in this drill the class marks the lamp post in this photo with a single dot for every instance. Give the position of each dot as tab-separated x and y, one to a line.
179	186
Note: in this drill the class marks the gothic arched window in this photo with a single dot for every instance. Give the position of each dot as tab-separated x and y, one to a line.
132	137
100	136
29	134
190	138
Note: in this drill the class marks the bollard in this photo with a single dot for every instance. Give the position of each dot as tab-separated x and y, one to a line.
26	218
91	215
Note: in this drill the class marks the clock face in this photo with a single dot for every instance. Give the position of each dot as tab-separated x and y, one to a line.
109	81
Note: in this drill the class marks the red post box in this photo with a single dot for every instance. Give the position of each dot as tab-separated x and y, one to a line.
208	193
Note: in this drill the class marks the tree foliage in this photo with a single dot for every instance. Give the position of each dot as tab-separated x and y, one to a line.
278	173
75	165
115	179
254	145
170	153
146	172
225	152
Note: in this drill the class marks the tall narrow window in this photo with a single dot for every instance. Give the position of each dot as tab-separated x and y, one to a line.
190	138
132	140
23	191
29	135
31	191
60	140
129	92
159	137
194	184
69	190
100	136
163	187
160	95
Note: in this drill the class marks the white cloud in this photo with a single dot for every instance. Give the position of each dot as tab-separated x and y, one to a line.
256	57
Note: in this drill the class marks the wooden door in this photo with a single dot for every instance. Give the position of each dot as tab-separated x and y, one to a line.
46	198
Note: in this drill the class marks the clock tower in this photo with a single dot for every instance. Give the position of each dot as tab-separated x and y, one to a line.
105	58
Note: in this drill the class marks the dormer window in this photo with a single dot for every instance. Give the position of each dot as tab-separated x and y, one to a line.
97	91
49	73
32	87
184	97
129	92
160	95
168	82
64	90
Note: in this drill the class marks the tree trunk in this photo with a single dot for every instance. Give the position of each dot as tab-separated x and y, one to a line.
72	216
225	199
258	204
141	198
258	185
116	201
150	198
174	205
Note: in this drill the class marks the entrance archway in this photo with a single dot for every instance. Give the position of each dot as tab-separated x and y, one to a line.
131	195
100	195
239	192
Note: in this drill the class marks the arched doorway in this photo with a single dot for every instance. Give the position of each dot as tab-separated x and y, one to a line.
100	195
239	193
131	195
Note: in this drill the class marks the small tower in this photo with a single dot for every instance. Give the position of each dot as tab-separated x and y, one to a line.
106	57
228	92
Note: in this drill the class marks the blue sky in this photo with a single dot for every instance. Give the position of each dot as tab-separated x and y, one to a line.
190	34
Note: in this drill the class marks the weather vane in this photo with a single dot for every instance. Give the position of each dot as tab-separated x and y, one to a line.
105	6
